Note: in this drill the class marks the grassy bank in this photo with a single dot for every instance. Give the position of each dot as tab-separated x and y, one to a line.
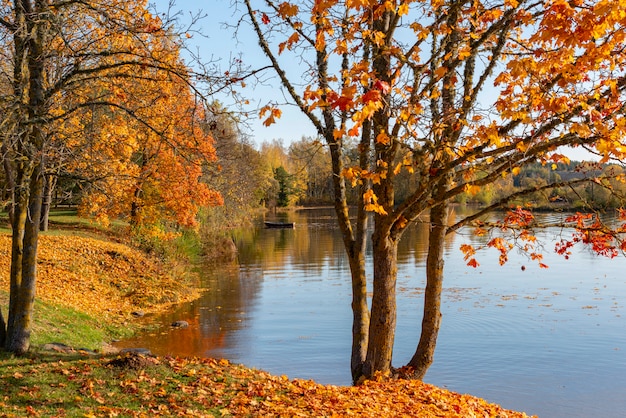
89	285
91	280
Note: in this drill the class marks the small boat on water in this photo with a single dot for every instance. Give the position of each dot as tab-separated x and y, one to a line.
280	224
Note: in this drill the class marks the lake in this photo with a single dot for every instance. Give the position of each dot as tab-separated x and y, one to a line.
548	342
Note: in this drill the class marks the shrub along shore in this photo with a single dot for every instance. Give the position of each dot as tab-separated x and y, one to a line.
89	285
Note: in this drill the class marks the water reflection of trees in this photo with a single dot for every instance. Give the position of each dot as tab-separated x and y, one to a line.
311	246
218	318
414	243
315	243
213	319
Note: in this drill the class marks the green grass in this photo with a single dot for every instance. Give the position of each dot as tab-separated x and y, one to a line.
63	220
62	385
60	324
53	323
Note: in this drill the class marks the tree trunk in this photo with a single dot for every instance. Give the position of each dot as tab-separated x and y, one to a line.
356	254
3	330
360	315
383	313
354	243
423	357
9	181
49	183
137	205
24	265
29	81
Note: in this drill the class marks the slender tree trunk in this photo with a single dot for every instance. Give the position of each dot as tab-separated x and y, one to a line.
424	355
356	254
136	205
360	315
383	314
354	243
49	184
3	330
9	180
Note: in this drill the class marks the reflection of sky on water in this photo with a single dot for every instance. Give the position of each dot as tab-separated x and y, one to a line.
548	342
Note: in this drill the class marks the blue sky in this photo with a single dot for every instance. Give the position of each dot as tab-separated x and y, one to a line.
218	42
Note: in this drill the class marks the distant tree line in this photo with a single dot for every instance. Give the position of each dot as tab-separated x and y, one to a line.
302	176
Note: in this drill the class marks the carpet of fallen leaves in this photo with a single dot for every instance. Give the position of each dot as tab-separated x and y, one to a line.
208	387
102	278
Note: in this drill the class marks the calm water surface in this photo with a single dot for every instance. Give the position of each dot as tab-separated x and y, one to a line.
549	342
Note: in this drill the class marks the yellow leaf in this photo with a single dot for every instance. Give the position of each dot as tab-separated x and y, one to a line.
383	138
440	72
464	53
286	10
472	189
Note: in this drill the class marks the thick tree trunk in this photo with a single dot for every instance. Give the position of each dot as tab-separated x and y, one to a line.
383	313
424	355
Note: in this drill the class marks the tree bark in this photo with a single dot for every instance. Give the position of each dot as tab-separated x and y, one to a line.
24	267
49	183
354	243
3	330
383	313
431	321
9	180
360	315
384	244
29	82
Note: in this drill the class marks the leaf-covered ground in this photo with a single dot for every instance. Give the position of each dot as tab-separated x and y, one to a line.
104	279
205	388
107	281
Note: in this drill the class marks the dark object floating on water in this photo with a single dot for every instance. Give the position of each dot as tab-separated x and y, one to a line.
280	224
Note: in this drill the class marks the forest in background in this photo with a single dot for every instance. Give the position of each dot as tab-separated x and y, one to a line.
298	173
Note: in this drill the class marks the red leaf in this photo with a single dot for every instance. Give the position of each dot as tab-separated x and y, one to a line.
473	263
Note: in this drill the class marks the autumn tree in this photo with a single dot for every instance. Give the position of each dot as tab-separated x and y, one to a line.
312	169
457	94
147	173
286	185
57	51
242	190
